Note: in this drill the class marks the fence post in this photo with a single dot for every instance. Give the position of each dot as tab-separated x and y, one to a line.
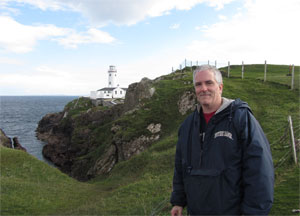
242	69
293	74
292	139
228	69
265	76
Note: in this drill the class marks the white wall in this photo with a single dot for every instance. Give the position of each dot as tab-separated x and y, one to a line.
115	93
119	93
112	76
93	94
104	94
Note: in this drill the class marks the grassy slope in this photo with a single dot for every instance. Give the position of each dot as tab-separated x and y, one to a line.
275	73
29	186
142	185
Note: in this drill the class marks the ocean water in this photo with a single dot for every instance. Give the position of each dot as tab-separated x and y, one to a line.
19	117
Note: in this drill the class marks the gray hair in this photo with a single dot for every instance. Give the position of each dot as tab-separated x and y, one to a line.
213	69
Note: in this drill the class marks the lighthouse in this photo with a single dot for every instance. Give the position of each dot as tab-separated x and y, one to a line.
112	76
113	90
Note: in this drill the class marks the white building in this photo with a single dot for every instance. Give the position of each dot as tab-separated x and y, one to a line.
113	90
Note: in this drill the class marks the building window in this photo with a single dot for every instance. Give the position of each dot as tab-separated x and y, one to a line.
120	92
116	92
109	74
109	83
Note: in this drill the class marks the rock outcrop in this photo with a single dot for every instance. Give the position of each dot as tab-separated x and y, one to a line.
123	150
136	92
70	137
10	143
187	102
66	141
17	145
5	140
104	164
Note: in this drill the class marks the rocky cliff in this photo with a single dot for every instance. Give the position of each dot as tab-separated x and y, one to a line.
86	140
14	143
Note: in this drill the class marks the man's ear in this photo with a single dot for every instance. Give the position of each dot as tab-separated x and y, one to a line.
221	88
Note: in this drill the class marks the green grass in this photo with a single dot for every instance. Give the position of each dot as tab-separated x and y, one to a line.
275	73
31	187
77	106
287	193
142	185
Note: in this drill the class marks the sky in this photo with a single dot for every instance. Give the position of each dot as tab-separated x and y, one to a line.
65	47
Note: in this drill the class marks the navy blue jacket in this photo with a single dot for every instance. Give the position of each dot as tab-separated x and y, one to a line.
231	172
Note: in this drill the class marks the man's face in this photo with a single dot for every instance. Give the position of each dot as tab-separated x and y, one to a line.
208	91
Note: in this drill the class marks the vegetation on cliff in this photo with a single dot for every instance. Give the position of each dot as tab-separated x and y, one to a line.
141	184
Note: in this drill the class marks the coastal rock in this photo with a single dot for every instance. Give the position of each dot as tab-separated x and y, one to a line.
154	128
69	138
5	140
187	102
48	123
136	92
56	130
136	146
73	135
104	164
121	151
10	143
17	145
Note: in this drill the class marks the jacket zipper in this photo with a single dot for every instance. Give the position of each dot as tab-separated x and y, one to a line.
202	136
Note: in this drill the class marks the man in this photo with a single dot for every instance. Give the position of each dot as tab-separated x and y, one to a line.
223	162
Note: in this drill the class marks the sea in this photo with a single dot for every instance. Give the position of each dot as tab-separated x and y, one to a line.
19	117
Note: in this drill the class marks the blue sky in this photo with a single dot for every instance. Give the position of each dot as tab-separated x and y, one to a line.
65	47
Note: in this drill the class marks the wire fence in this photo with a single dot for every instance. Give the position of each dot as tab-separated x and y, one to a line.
160	207
283	74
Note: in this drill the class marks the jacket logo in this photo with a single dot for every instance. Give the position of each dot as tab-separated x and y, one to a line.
223	134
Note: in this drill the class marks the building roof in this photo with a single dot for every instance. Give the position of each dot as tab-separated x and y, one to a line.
110	89
106	89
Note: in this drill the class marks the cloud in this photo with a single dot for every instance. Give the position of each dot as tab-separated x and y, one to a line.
266	31
91	36
218	4
222	17
41	4
46	70
50	80
19	38
41	85
10	61
201	27
120	12
175	26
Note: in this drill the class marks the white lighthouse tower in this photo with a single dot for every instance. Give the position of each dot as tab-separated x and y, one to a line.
112	76
113	90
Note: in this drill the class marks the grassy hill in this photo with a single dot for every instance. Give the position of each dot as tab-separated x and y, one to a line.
281	74
142	185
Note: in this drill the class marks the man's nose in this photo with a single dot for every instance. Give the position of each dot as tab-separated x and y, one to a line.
203	87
